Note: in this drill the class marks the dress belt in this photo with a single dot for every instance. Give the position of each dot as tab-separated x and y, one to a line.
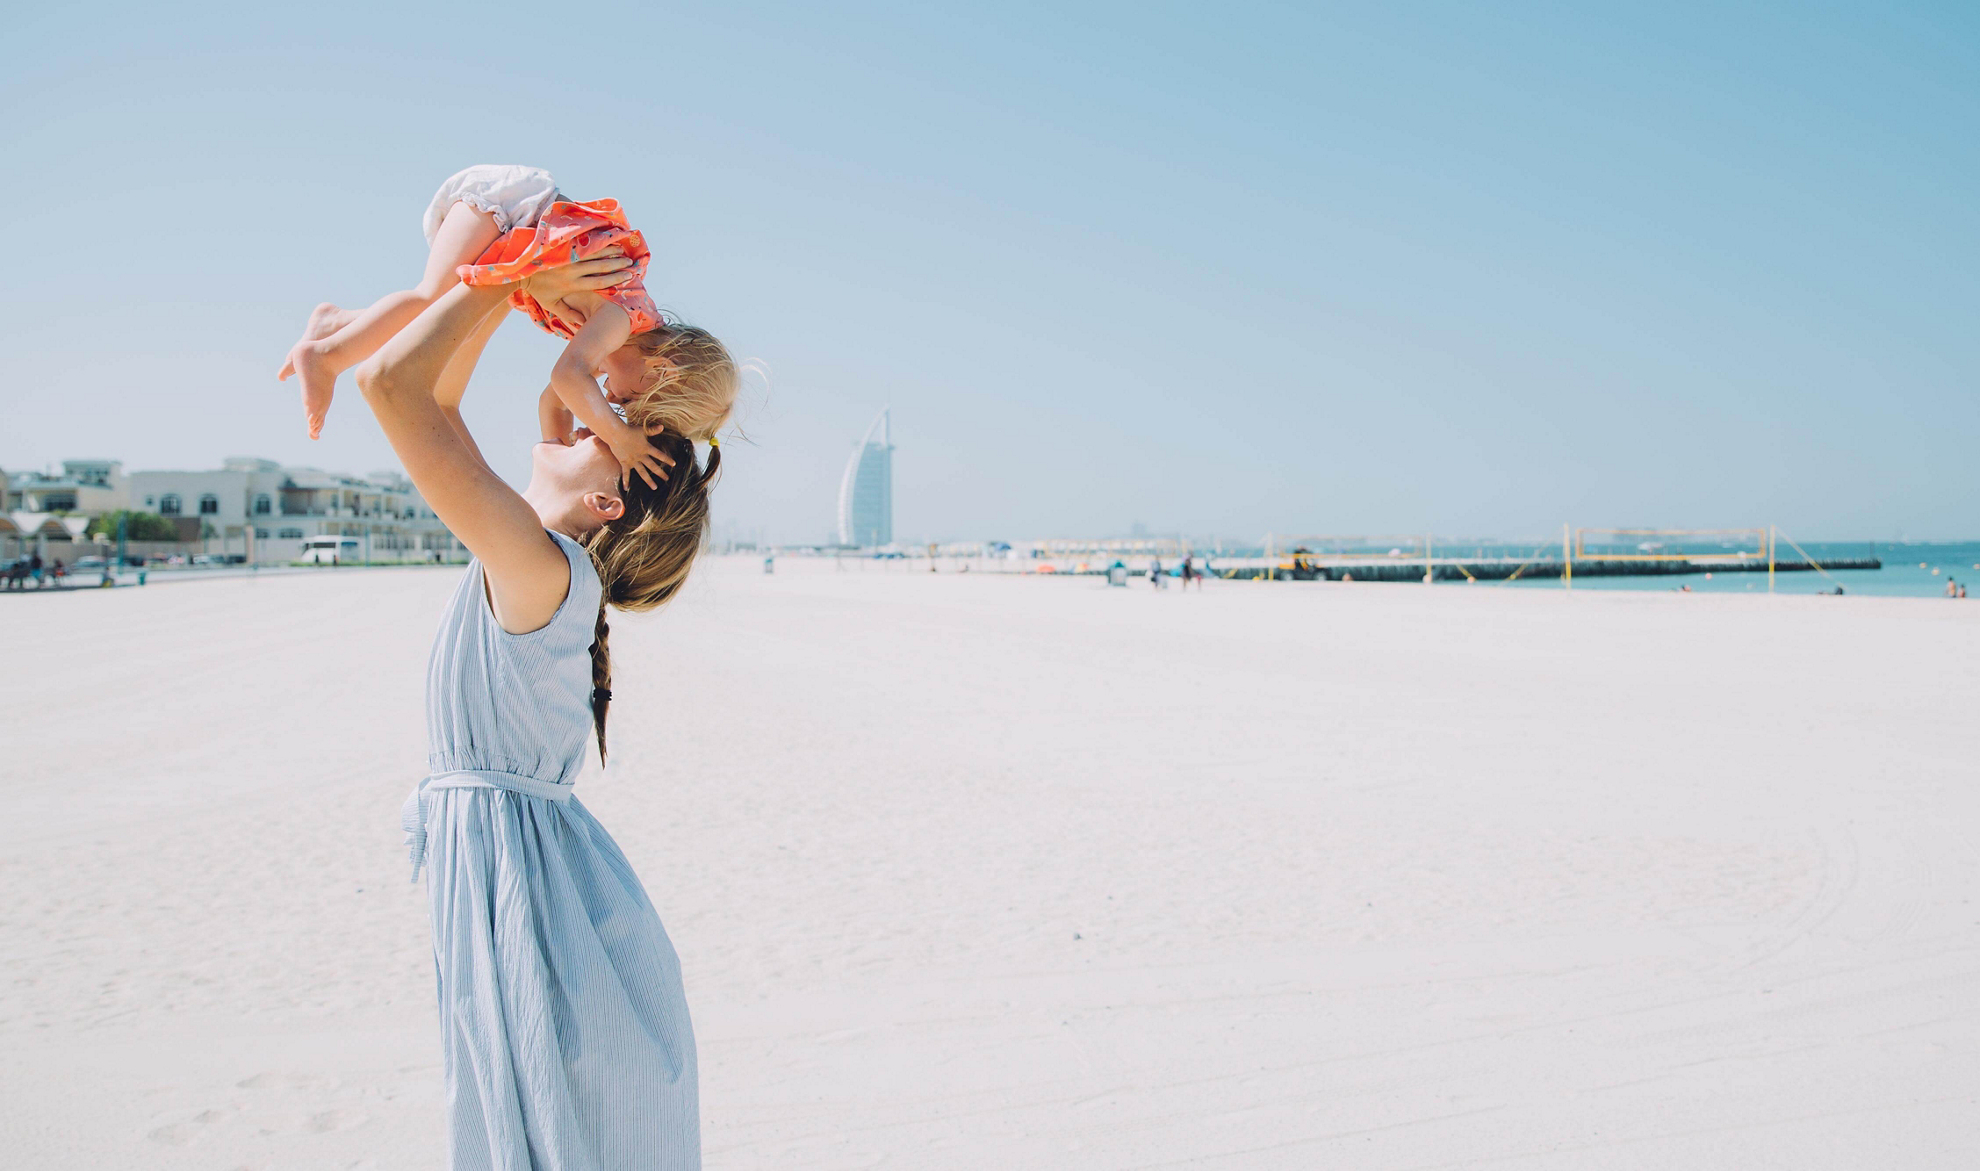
412	816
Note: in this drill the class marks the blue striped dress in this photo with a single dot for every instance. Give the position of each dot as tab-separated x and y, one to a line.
563	1023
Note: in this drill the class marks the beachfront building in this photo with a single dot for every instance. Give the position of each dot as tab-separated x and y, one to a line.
258	509
866	492
46	512
84	486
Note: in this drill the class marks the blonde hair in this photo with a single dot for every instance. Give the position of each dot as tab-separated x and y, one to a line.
694	381
643	556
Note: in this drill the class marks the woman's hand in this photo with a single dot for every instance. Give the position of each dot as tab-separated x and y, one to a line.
553	286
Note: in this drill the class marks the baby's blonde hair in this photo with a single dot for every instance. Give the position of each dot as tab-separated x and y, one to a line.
694	382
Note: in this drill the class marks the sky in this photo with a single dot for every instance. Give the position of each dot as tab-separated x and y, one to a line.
1478	270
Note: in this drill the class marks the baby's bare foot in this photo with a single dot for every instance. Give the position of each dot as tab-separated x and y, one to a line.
319	382
324	320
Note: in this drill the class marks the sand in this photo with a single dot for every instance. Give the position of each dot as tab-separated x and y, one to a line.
998	872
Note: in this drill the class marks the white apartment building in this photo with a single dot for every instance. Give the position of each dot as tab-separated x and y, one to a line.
87	486
259	509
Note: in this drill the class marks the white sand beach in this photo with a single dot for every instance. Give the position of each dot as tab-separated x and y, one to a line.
988	872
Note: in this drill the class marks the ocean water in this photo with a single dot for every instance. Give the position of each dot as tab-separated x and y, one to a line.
1913	569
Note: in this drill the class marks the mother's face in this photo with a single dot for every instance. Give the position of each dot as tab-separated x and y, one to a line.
585	469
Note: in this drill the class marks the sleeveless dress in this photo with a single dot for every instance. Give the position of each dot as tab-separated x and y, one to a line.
563	1023
566	233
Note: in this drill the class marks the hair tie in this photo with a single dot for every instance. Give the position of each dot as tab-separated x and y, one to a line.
714	441
601	695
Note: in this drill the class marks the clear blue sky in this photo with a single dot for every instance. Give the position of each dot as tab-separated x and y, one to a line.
1477	269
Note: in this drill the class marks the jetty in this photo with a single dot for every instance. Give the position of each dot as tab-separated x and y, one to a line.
1302	568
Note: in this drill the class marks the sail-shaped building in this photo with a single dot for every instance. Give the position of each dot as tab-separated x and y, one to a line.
866	492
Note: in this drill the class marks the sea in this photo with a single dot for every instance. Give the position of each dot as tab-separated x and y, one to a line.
1911	569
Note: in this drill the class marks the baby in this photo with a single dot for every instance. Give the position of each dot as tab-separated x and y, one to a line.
494	225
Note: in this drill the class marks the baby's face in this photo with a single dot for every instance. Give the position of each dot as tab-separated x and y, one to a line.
625	373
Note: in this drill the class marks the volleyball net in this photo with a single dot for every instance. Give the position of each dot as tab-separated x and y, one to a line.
1124	549
1696	545
1334	547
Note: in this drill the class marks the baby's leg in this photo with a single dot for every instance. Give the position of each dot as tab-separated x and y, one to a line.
324	320
351	338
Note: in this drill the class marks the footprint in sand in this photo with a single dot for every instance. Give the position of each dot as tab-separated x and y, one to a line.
178	1134
291	1081
329	1120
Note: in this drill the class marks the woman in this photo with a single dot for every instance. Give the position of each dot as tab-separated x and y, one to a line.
564	1027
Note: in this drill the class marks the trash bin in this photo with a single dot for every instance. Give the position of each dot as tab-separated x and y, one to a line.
1117	574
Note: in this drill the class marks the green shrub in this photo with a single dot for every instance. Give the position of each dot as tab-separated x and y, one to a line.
139	526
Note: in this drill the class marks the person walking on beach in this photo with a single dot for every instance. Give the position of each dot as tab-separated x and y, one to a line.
565	1037
1155	573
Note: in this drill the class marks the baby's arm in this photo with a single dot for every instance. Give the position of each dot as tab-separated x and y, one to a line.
573	380
554	418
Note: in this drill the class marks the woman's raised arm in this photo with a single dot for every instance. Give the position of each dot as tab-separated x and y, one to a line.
528	574
550	287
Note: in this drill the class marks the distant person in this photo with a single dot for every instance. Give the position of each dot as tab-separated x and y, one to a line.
1952	588
1155	573
492	225
564	1030
36	569
17	573
59	571
1188	571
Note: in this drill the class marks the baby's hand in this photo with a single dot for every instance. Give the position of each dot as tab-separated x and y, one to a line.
635	454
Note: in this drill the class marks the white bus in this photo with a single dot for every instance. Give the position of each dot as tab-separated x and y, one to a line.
330	550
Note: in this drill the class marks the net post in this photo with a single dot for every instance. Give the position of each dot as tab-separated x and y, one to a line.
1770	558
1567	559
1429	571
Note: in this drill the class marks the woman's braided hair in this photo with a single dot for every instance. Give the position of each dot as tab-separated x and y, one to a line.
643	556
